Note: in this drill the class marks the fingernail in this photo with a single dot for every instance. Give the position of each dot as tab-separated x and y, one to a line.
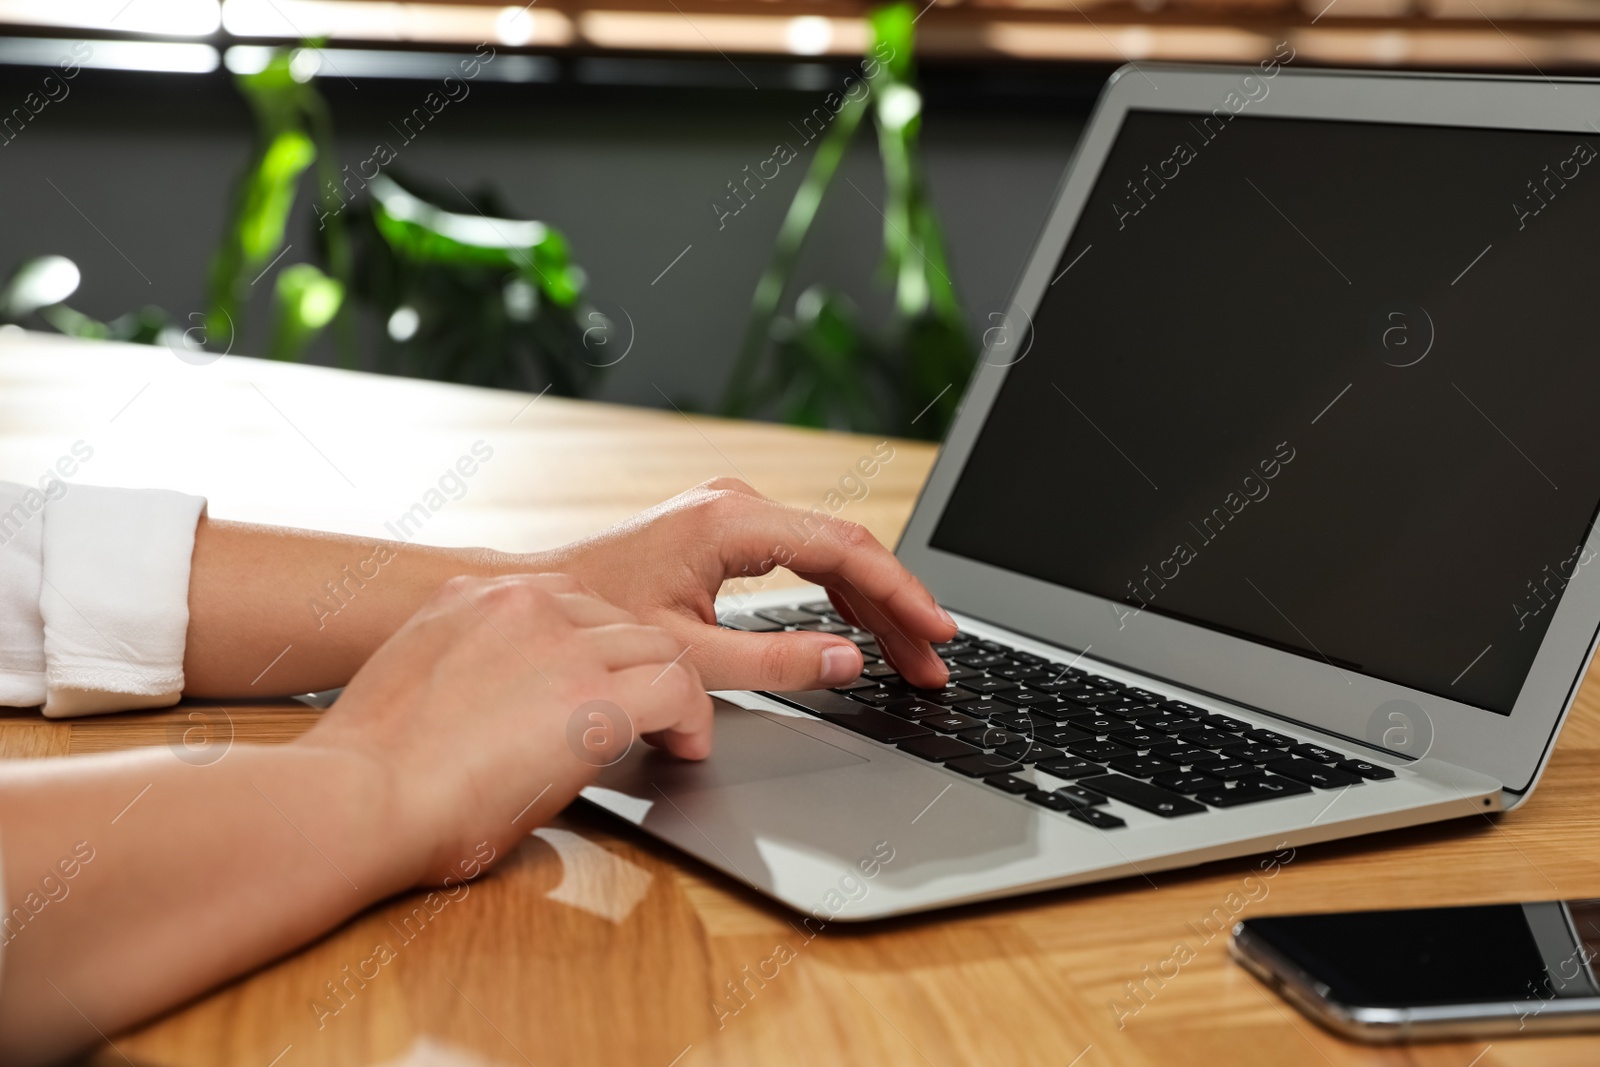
840	664
946	616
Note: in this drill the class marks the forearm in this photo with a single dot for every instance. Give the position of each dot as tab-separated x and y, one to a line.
311	606
180	877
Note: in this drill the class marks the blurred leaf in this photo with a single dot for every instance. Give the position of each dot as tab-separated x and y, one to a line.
36	284
427	233
740	397
305	301
269	194
823	367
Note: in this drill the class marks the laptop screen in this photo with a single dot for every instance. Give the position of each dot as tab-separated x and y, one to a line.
1328	386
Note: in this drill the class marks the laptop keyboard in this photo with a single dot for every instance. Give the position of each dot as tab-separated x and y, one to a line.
1063	738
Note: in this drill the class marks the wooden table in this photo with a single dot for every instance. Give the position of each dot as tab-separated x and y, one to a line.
594	945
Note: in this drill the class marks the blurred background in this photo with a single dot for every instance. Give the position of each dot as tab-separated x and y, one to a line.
807	210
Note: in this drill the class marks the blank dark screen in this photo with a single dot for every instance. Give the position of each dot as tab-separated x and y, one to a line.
1427	956
1325	385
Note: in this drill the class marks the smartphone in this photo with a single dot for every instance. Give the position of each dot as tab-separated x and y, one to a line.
1433	973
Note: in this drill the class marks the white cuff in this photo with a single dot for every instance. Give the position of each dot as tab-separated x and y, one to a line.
21	629
115	597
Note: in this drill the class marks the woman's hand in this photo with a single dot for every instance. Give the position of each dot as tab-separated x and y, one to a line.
480	705
667	564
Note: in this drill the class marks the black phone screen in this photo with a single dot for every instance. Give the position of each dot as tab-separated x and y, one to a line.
1440	956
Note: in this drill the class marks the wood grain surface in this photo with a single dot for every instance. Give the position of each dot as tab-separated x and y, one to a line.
594	945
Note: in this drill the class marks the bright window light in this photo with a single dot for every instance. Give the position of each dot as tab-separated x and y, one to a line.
169	18
809	35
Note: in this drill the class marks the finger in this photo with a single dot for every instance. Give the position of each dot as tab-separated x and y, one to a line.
914	659
733	659
841	604
629	644
835	554
668	706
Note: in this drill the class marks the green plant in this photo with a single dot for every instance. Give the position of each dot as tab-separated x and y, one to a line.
294	130
482	298
826	368
478	298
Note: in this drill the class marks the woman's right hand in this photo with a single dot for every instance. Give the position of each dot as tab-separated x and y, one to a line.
477	711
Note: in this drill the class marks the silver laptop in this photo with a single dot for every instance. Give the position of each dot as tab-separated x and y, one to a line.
1267	518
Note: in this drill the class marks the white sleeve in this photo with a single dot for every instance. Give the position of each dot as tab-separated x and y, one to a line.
109	571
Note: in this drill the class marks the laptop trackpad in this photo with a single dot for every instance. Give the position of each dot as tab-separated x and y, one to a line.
746	747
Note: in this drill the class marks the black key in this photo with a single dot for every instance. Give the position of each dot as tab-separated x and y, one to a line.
1163	721
907	708
1206	737
1184	709
1057	713
859	683
1022	674
1099	751
828	626
1370	771
859	718
1086	797
1064	686
818	607
1141	766
1145	695
1267	737
991	737
1069	767
949	696
1229	770
1029	753
1029	698
981	708
1150	798
953	648
958	673
1222	722
1009	783
1096	817
975	737
988	684
1250	753
949	722
1178	752
1019	721
984	660
1101	725
1027	657
1316	753
880	671
982	765
1266	787
788	616
988	646
1066	798
1304	770
1103	698
753	623
938	749
861	638
1137	738
1061	735
1101	682
1186	781
877	696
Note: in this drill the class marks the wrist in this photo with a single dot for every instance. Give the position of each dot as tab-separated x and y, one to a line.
364	790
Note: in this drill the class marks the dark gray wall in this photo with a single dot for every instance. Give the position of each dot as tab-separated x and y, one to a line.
148	162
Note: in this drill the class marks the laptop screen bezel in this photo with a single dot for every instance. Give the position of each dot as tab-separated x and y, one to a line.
1510	748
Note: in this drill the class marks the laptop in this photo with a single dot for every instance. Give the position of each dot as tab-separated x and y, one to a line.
1267	517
